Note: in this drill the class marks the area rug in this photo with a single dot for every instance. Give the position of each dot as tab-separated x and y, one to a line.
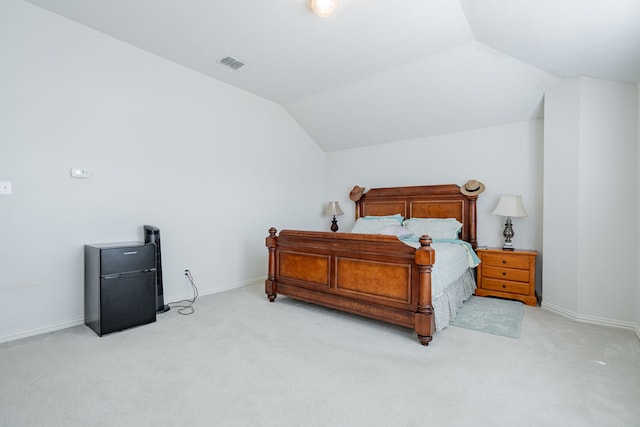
491	315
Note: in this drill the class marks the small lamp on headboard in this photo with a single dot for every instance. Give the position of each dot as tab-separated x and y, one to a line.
333	209
510	207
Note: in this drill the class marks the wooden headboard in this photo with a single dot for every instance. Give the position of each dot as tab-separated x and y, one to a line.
429	201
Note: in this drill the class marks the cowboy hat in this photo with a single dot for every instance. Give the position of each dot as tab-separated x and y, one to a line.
356	193
472	188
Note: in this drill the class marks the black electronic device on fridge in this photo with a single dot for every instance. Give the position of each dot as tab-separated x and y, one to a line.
152	235
119	286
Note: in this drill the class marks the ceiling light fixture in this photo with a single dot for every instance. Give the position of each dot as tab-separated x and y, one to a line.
324	8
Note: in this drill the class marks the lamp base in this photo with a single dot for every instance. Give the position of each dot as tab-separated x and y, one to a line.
508	235
334	224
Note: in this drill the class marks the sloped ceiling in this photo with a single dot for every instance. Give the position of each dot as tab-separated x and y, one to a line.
384	70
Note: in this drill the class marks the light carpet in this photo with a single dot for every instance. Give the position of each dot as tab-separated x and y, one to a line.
240	360
491	315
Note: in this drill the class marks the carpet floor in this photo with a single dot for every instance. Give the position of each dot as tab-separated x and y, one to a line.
242	361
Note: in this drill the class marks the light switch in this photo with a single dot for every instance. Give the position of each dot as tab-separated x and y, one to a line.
5	188
80	173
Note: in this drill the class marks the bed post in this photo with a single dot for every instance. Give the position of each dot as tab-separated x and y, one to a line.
424	318
355	195
473	239
270	286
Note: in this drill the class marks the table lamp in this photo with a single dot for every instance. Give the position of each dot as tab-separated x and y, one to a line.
510	207
333	209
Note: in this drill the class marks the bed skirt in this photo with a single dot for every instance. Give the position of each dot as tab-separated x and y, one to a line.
446	305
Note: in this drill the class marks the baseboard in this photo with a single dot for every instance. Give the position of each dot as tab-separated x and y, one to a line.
80	321
42	330
250	282
593	319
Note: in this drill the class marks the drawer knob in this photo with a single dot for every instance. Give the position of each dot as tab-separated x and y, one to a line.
504	273
504	286
504	261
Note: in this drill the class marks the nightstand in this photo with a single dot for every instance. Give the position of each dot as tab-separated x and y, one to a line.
507	274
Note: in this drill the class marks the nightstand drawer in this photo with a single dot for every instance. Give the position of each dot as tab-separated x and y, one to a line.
506	286
508	259
506	274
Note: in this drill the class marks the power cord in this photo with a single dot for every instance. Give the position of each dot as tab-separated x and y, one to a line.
185	306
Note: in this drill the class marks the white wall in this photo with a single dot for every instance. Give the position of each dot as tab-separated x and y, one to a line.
590	190
561	166
507	159
167	147
637	328
608	139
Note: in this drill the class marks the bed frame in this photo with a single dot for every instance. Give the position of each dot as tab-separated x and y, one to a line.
376	276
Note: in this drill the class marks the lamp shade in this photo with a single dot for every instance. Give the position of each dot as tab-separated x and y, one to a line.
333	208
510	206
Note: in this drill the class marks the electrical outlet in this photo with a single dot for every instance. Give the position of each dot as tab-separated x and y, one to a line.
5	187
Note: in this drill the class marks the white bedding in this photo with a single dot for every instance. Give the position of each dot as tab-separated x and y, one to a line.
452	260
446	305
452	279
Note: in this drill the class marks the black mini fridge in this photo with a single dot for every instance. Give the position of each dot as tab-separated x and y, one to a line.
119	286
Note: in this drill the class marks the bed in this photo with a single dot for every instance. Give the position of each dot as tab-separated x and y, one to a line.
377	275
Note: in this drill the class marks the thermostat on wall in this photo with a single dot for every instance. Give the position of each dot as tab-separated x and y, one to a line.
80	173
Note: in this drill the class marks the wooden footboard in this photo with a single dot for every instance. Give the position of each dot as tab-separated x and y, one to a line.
371	275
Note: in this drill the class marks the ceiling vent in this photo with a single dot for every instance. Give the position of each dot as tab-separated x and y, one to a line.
231	62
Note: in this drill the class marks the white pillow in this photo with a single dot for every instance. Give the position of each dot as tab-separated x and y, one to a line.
372	226
396	230
436	228
396	217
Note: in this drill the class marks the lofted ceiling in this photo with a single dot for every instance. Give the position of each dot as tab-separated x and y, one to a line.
381	71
